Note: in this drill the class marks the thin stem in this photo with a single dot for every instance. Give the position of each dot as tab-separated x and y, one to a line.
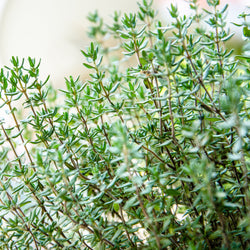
127	233
25	180
170	109
158	94
141	203
19	130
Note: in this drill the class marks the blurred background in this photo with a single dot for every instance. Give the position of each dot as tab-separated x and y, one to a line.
55	30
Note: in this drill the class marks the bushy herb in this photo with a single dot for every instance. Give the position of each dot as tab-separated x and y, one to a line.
150	156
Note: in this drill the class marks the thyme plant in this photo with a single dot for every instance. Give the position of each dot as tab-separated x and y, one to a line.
151	152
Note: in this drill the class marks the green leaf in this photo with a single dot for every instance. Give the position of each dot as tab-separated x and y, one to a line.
246	31
88	66
167	142
143	62
116	207
133	201
172	192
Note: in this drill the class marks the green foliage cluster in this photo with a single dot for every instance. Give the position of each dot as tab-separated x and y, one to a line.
151	156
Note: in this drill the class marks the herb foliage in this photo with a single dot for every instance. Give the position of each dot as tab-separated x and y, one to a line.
154	155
